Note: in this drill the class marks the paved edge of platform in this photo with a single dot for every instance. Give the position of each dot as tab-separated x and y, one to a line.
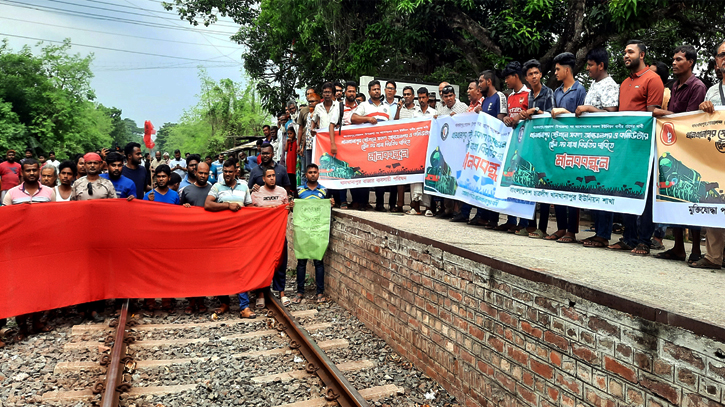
596	295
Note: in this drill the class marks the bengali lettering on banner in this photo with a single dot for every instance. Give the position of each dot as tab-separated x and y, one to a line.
597	161
463	162
388	153
690	169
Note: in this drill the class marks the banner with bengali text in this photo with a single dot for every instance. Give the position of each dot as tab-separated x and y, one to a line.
387	153
597	161
463	162
688	185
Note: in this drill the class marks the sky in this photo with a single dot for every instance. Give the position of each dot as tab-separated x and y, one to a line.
158	78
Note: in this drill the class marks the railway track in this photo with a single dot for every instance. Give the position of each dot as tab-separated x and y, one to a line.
136	361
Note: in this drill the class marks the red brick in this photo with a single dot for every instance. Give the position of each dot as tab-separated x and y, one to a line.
542	369
496	343
527	395
662	368
518	355
661	389
473	330
556	340
567	401
600	325
508	319
686	376
572	384
555	358
643	361
683	354
570	312
553	393
455	294
635	398
488	309
545	303
599	401
695	400
584	353
624	350
533	331
485	368
505	381
618	368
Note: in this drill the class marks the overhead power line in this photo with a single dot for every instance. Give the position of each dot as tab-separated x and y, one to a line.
106	48
109	18
120	35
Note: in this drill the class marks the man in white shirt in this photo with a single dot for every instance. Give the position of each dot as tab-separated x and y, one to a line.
51	160
407	109
178	164
391	89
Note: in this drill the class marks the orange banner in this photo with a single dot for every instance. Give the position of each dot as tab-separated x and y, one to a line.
64	253
388	153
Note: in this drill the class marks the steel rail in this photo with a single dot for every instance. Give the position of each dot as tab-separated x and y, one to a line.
114	375
338	388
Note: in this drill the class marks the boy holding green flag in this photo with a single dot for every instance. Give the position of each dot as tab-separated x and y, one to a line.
311	190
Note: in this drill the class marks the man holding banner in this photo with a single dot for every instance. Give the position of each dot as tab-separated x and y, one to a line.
714	237
643	92
687	94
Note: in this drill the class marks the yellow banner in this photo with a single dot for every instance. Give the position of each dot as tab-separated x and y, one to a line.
690	168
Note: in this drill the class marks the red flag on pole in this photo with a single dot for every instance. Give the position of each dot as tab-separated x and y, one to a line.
148	130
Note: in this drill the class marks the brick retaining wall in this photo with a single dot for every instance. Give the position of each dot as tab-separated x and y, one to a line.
495	338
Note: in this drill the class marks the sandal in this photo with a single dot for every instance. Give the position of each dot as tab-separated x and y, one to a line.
247	313
343	205
260	303
491	226
503	227
522	232
670	255
297	299
555	236
285	301
202	308
657	245
704	263
429	213
224	308
537	234
567	239
42	328
321	298
412	212
694	258
641	250
189	310
396	209
596	241
620	245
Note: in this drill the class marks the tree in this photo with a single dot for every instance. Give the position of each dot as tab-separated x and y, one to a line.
47	103
290	43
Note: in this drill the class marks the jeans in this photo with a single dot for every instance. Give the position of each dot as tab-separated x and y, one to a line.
660	230
466	209
380	196
360	196
603	223
567	218
523	223
319	275
280	274
639	229
243	300
544	210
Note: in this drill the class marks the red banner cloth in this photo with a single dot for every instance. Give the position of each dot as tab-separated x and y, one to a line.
58	254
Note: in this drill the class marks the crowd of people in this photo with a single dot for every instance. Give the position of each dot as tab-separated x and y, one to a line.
215	186
283	169
647	89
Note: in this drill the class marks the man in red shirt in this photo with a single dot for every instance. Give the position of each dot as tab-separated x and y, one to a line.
641	92
10	174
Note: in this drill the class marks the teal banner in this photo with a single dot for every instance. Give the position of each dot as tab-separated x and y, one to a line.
597	161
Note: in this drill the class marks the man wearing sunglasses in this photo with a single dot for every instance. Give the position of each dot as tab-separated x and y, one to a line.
92	186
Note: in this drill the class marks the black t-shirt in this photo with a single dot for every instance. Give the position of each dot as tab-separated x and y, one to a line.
194	195
138	176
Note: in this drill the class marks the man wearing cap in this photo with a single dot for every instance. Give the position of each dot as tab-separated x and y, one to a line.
89	187
10	174
92	186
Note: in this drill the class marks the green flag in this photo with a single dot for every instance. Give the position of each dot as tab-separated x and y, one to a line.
311	222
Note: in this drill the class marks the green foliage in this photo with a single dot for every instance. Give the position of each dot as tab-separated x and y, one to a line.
47	103
225	111
293	43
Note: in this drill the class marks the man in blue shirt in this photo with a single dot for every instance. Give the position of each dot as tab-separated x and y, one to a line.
162	193
125	188
567	97
311	190
494	102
